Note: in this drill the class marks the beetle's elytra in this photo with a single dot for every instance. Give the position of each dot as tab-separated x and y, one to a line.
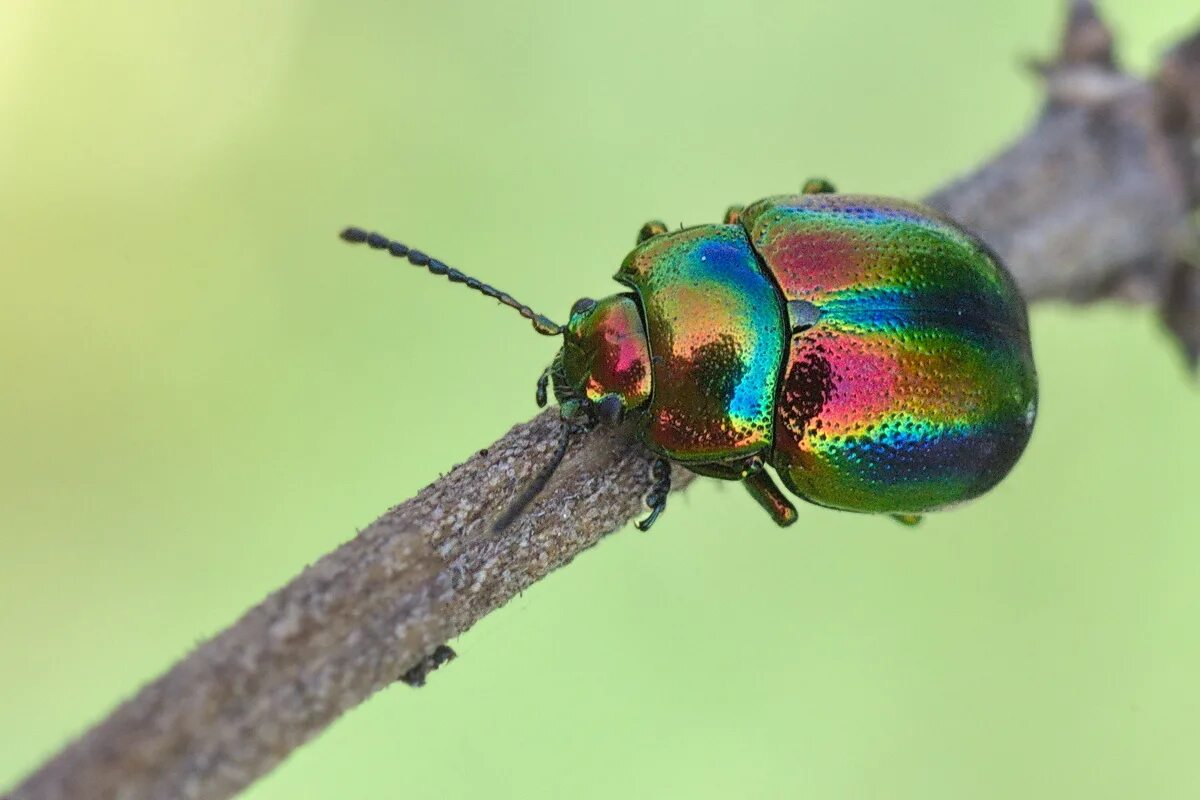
870	350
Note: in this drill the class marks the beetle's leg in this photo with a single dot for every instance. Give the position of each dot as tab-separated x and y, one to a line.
543	386
530	492
817	186
907	519
770	497
656	501
733	215
651	229
416	676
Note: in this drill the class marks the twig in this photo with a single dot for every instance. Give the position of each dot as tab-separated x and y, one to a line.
1094	202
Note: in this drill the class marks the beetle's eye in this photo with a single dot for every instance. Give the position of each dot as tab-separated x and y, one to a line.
582	306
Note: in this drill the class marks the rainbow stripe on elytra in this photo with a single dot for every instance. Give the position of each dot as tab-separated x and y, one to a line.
873	352
916	387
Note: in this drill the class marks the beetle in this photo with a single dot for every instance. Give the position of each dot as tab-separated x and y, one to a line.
870	350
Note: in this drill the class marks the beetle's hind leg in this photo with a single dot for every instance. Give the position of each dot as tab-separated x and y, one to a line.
656	500
770	497
817	186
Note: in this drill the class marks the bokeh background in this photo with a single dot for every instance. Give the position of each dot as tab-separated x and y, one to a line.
204	390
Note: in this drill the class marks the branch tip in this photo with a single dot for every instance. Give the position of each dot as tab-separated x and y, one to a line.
1086	39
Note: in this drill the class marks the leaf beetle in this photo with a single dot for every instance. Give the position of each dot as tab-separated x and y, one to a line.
871	351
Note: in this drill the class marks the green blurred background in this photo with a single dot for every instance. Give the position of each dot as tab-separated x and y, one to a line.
205	390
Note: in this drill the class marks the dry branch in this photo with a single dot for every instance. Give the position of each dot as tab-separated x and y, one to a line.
1094	202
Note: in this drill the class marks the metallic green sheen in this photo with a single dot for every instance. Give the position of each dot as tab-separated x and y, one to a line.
717	332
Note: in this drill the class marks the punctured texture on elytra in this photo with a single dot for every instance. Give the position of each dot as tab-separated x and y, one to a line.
916	386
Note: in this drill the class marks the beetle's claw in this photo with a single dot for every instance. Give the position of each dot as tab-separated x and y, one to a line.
644	524
657	499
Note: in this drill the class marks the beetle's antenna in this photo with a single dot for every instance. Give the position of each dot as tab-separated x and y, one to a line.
541	324
539	483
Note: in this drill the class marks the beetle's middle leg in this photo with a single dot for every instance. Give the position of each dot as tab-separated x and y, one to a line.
817	186
655	227
763	489
656	500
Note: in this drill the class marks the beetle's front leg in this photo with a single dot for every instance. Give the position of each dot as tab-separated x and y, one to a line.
656	500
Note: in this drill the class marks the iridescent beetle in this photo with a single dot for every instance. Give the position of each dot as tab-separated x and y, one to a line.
870	350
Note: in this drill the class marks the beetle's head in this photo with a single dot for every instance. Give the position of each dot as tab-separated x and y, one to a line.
603	369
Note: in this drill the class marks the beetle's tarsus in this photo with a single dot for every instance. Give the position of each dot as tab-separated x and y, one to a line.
644	525
416	676
656	500
907	519
817	186
763	489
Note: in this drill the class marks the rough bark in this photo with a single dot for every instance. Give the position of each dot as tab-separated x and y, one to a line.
1093	202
